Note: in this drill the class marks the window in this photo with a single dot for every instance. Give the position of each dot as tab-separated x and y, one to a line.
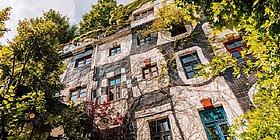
160	130
143	14
83	58
215	123
235	46
142	40
189	62
178	29
115	50
114	92
78	93
149	72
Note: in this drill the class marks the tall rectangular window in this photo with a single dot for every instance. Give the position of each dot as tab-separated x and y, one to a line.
150	72
189	62
160	130
114	90
215	123
78	93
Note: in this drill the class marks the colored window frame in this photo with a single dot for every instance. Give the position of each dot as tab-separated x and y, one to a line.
83	61
78	93
235	47
149	72
189	62
215	123
114	88
115	50
160	129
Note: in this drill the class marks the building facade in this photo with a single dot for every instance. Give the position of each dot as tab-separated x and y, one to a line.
148	83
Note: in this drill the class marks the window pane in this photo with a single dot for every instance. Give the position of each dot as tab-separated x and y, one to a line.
118	88
190	74
137	17
112	82
118	81
118	50
144	14
112	91
236	54
155	73
224	128
146	71
208	117
118	95
231	46
167	137
111	97
80	63
83	92
188	68
213	133
88	60
239	43
147	76
218	115
74	95
165	126
186	60
154	68
240	60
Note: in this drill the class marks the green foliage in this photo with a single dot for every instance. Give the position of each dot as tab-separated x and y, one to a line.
105	18
258	23
98	17
4	16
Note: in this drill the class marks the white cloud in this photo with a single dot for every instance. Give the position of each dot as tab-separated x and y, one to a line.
22	9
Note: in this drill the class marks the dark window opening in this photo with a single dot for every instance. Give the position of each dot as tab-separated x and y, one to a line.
78	93
189	63
114	90
178	29
150	72
115	50
160	130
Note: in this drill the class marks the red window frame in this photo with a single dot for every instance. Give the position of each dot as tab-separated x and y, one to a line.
238	49
150	72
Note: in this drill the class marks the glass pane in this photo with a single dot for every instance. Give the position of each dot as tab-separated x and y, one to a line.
250	56
213	133
165	126
83	92
146	71
137	17
80	63
236	54
88	60
193	57
144	14
147	76
74	95
155	73
118	81
142	41
167	137
190	75
153	127
240	60
239	43
118	95
208	117
224	128
111	97
188	68
118	88
231	46
112	91
148	38
186	60
218	115
118	50
154	68
112	82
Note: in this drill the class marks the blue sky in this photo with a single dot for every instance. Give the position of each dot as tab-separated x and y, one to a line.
32	8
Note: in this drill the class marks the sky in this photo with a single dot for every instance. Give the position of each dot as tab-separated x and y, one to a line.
22	9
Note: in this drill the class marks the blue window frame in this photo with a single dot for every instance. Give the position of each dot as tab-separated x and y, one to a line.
215	123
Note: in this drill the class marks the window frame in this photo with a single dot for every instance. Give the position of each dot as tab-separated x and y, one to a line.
160	133
114	88
216	124
78	90
238	49
83	60
192	63
141	14
116	50
151	72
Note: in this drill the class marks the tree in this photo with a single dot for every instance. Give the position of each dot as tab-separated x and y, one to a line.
258	23
98	17
30	66
4	16
66	31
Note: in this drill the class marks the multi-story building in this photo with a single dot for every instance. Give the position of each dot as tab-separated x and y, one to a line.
147	84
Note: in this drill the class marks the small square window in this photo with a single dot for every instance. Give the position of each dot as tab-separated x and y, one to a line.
189	63
150	72
115	50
